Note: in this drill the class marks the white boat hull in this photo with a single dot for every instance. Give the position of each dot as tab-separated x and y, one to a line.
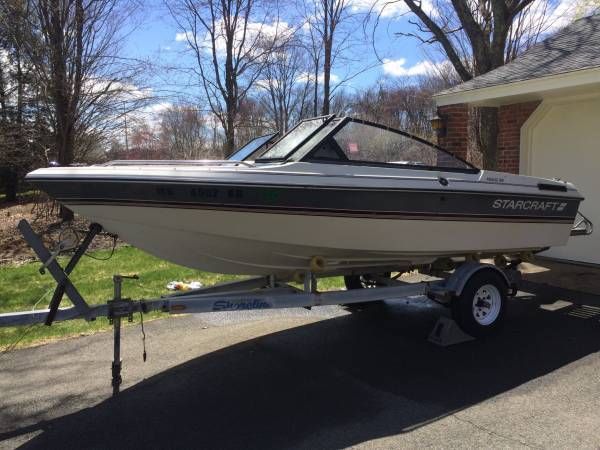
264	243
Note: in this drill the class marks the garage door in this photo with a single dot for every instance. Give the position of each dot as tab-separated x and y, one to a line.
566	144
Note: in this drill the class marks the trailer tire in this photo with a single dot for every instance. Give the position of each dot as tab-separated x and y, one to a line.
481	307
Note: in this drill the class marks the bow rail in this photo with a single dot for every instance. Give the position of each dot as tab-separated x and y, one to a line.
176	162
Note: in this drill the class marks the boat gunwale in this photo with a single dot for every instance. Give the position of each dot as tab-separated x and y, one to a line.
194	181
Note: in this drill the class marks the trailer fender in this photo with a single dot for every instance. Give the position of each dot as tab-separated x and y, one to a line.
459	278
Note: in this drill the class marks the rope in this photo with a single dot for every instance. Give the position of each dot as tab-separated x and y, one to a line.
28	328
112	251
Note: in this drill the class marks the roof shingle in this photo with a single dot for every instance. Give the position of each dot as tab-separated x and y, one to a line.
575	47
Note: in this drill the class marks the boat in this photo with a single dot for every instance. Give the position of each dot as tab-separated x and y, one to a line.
334	195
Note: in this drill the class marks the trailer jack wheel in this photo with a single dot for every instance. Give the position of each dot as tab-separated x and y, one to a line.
481	307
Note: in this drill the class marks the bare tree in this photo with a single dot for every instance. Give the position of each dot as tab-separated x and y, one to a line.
23	131
404	105
253	121
478	36
144	143
324	19
71	49
333	41
313	46
286	86
231	43
183	133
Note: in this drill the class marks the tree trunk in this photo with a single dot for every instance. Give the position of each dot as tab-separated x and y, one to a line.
11	184
488	136
65	142
230	135
326	75
487	28
316	90
63	133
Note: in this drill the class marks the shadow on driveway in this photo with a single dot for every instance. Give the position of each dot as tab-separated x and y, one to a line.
333	383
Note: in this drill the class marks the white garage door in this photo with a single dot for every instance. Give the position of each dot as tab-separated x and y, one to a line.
566	144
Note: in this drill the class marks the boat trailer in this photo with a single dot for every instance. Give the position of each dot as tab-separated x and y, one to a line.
249	294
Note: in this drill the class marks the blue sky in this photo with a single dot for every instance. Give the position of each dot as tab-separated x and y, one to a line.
400	58
154	39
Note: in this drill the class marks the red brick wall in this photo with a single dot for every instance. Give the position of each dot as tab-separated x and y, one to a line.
510	120
456	140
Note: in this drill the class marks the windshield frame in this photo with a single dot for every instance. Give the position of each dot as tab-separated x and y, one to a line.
307	157
325	120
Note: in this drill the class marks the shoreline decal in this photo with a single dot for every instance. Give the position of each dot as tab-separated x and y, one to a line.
249	304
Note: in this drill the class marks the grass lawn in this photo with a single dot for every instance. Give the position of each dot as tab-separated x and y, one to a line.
21	196
22	286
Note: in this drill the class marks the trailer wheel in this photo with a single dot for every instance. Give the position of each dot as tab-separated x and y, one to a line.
480	309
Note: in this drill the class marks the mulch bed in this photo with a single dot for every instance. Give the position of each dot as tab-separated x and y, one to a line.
43	217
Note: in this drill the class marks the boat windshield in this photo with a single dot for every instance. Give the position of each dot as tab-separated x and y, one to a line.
359	141
251	147
346	140
295	137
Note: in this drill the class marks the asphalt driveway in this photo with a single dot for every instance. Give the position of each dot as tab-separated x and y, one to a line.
317	379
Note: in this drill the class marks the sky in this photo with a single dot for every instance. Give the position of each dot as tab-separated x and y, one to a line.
154	37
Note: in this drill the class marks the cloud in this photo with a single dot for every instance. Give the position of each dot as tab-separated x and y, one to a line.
390	9
126	92
397	68
266	84
255	32
183	37
563	13
306	76
149	114
549	17
157	108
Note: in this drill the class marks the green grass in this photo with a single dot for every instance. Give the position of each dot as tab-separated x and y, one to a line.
22	286
21	196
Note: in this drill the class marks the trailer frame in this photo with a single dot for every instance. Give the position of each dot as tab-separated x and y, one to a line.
243	295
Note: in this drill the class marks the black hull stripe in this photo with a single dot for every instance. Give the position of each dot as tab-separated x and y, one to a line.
225	184
352	202
397	215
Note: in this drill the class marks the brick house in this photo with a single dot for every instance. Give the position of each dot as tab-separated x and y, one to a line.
548	102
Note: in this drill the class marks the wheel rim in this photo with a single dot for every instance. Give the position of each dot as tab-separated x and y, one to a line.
486	304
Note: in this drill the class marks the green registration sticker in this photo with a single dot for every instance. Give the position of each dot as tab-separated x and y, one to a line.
271	195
